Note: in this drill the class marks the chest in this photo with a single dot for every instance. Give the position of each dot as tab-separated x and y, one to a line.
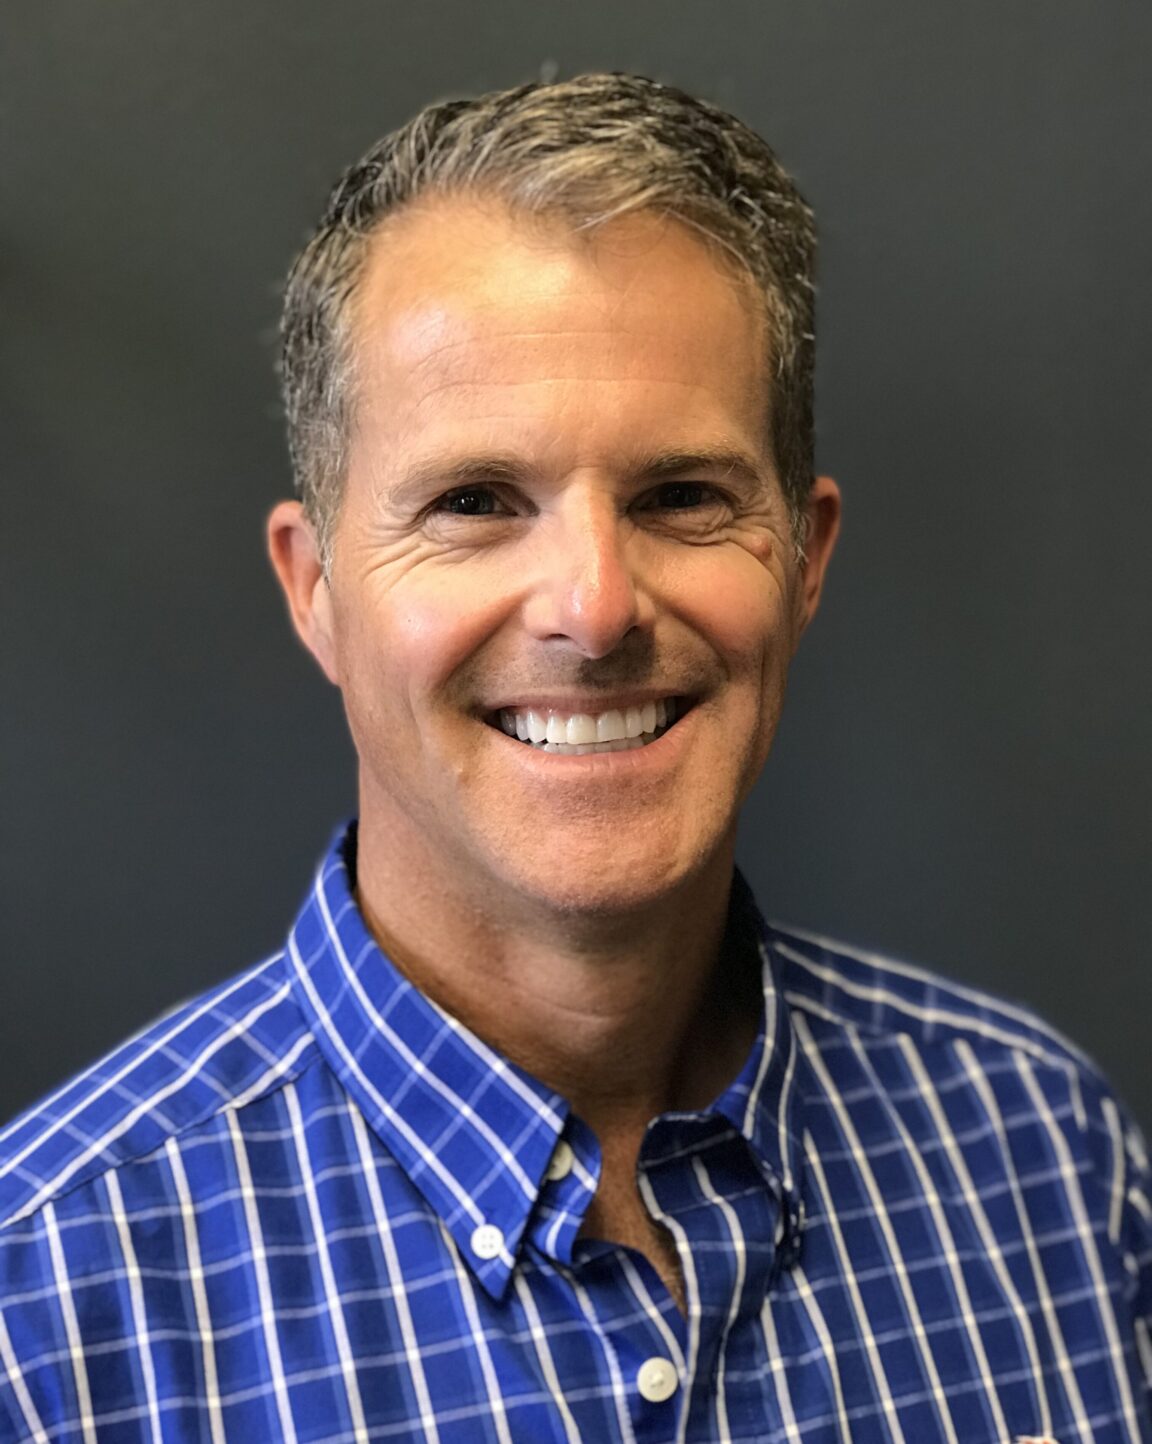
618	1215
380	1325
345	1306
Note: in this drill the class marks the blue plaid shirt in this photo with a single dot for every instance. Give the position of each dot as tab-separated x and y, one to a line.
311	1206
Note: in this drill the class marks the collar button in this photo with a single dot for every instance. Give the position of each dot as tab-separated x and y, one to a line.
560	1164
487	1241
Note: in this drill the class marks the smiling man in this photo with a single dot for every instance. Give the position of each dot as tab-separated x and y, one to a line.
535	1130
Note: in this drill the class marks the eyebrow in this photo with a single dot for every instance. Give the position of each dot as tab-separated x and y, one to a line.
449	474
715	460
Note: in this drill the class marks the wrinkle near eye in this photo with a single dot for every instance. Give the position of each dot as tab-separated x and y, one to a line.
375	556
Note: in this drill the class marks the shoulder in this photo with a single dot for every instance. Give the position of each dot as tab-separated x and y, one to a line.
869	1022
872	1025
897	1054
222	1050
876	997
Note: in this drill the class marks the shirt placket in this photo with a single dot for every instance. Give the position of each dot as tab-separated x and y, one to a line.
726	1219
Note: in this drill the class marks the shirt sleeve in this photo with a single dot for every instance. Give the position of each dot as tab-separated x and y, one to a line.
38	1400
1136	1238
18	1418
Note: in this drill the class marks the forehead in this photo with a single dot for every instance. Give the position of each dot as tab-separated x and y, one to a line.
470	320
461	268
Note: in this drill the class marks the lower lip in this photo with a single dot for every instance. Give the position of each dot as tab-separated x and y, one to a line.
637	762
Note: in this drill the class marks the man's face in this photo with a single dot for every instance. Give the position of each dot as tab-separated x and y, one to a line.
561	517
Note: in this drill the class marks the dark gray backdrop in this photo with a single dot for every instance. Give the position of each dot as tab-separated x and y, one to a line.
964	774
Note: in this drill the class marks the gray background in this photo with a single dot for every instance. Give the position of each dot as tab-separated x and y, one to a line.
963	777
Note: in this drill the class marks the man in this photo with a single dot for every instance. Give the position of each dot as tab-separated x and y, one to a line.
535	1131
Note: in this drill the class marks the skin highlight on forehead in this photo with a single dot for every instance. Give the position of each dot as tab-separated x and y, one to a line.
568	271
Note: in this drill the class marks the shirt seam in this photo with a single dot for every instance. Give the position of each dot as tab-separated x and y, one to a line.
22	1215
949	1033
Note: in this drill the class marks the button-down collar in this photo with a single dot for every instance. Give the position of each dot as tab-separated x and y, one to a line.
474	1132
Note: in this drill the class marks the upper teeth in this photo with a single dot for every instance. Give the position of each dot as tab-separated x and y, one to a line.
584	728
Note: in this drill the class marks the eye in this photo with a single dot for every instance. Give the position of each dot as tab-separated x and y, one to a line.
680	496
687	510
696	503
468	501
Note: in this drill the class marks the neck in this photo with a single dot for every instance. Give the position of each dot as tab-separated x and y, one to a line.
626	1014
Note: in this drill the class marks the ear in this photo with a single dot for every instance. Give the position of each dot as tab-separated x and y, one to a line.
822	515
296	560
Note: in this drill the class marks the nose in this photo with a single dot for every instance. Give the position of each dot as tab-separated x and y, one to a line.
586	589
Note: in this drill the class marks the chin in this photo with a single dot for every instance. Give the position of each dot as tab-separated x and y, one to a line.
611	882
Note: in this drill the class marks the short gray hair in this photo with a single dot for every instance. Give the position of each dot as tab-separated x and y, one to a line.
586	150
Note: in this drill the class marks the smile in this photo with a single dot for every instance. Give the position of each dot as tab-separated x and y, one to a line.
576	733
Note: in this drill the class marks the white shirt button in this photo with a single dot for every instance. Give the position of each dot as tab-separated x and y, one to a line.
487	1241
560	1164
657	1380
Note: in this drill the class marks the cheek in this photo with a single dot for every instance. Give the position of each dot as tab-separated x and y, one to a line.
420	632
739	605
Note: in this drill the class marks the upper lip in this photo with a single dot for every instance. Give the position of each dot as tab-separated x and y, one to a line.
589	706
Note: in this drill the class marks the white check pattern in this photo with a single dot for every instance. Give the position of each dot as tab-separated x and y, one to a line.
917	1217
